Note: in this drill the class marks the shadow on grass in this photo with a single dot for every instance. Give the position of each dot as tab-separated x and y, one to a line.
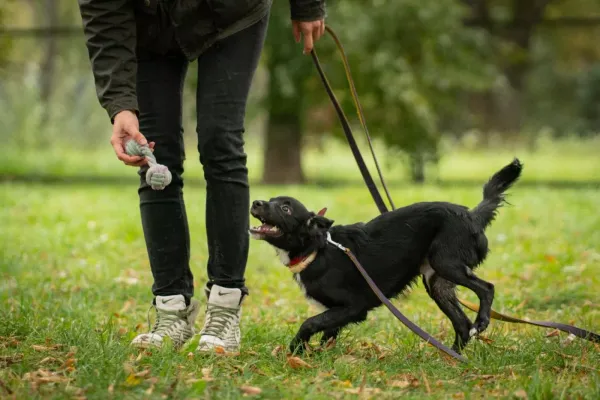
318	182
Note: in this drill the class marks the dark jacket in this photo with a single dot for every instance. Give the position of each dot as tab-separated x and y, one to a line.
116	29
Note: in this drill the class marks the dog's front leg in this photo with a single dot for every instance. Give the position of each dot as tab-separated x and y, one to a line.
332	320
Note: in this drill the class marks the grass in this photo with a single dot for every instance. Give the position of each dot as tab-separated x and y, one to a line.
75	289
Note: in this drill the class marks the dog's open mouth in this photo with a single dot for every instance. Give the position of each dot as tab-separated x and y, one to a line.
266	230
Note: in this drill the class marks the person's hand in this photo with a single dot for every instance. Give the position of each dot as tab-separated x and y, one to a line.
311	31
125	127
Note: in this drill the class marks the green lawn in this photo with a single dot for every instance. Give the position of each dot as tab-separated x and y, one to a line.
75	289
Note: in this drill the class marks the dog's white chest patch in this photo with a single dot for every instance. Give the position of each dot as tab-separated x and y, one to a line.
284	256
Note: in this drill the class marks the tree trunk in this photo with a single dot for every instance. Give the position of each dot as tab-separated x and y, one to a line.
48	64
417	168
283	147
283	139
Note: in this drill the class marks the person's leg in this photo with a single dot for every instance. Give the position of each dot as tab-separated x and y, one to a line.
225	74
164	221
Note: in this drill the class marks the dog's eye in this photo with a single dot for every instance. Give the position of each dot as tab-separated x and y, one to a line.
286	209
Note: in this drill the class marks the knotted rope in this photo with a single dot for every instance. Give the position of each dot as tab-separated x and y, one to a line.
158	176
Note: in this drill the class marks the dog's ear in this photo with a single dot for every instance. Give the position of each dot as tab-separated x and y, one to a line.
320	222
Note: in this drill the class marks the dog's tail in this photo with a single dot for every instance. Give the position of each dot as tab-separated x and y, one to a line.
493	193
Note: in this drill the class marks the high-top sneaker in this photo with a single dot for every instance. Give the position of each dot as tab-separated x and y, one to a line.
173	319
222	321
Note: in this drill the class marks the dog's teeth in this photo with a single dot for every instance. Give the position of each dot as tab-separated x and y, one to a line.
274	229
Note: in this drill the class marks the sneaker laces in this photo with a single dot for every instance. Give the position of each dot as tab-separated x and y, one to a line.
218	320
164	321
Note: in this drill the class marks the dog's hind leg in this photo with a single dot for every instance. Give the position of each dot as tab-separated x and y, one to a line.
457	272
444	294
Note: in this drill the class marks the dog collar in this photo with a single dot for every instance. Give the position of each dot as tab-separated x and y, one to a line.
298	264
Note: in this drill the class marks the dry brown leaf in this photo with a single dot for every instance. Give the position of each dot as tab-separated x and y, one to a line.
277	350
111	388
403	379
44	376
37	347
347	359
458	395
363	390
521	394
206	374
402	384
330	344
553	333
128	368
142	374
250	390
149	390
296	363
12	359
485	339
256	370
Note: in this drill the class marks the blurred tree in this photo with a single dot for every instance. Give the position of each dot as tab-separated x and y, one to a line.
5	40
288	71
411	58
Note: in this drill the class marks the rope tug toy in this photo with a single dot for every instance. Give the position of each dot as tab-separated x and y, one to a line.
158	176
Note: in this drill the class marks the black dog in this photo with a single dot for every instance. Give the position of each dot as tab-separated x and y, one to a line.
441	241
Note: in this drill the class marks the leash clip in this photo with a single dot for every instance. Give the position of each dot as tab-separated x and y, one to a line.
336	244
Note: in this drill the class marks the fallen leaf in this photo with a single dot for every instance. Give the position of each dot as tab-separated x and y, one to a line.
12	359
553	333
365	390
459	395
277	350
256	370
345	383
296	363
206	375
111	388
521	394
485	339
128	368
399	384
404	380
250	390
142	374
330	343
132	380
46	348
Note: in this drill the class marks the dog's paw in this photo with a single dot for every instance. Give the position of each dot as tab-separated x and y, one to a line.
297	346
479	326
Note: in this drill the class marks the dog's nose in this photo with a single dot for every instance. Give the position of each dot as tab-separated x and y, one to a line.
258	203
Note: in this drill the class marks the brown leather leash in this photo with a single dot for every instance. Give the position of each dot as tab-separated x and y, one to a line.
579	332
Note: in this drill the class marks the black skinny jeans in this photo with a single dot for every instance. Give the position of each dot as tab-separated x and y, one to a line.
225	73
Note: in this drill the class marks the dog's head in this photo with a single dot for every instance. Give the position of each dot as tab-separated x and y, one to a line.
288	225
